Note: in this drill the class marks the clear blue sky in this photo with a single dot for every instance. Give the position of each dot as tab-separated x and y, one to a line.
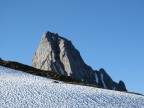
108	33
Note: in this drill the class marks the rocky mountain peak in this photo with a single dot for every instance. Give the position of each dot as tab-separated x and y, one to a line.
56	53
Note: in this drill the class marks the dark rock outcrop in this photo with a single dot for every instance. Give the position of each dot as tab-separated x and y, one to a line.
58	54
0	59
106	82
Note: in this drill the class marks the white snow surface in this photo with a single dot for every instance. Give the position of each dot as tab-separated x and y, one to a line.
22	90
103	81
96	78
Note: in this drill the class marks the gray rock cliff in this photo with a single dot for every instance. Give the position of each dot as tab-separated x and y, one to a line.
58	54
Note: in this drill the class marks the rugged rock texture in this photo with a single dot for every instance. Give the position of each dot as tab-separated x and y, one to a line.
58	54
107	83
0	59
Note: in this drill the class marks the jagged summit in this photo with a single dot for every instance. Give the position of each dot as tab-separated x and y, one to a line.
57	54
52	34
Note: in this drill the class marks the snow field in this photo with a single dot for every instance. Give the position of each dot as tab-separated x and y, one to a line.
22	90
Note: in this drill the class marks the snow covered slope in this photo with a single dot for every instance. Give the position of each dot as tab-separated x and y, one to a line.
23	90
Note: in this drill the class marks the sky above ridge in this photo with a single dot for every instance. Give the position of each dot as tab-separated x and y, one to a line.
109	34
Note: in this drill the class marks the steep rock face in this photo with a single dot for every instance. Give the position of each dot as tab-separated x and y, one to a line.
106	82
0	59
58	54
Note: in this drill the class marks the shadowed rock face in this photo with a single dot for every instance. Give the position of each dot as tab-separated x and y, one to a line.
0	59
58	54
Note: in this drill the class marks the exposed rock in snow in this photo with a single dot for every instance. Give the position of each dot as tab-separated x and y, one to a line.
22	90
58	54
